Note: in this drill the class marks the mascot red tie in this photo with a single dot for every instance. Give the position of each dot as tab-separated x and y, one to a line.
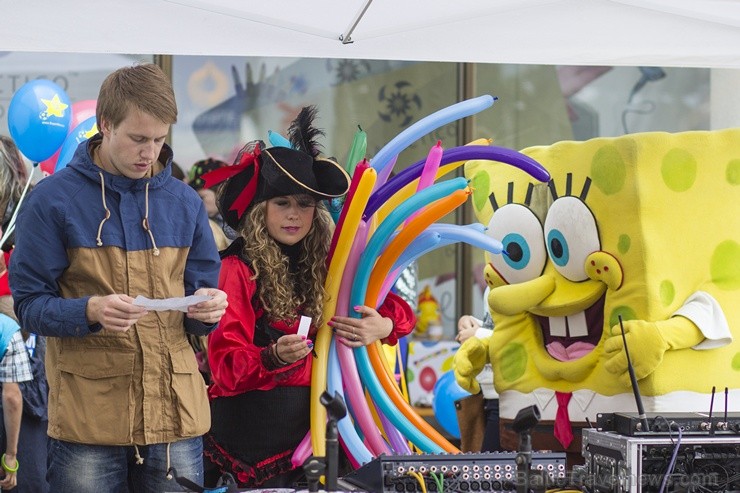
563	431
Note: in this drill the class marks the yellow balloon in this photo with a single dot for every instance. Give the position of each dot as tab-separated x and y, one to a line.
337	263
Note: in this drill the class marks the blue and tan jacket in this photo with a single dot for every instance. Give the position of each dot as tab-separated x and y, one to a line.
81	233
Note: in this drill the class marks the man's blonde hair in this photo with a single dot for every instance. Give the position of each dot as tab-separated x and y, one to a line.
144	87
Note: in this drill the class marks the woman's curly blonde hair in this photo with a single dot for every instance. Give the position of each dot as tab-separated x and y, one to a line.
13	175
280	292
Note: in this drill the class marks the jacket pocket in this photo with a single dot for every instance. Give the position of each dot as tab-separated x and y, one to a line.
95	400
192	411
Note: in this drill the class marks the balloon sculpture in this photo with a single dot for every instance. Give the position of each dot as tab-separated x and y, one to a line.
372	244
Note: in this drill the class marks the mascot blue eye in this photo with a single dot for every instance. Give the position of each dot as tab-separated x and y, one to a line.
520	232
572	235
517	251
557	246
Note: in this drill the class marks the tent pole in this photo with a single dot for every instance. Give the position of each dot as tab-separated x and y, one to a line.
346	37
466	82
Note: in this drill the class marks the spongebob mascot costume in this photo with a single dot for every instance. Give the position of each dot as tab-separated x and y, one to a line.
641	228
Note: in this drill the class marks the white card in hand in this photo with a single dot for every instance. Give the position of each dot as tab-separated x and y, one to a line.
179	304
304	325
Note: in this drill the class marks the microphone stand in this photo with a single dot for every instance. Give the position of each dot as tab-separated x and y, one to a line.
524	421
335	410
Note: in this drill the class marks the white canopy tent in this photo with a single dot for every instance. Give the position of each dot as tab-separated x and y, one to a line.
697	33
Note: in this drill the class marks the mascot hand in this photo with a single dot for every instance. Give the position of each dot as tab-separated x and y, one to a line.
647	342
469	361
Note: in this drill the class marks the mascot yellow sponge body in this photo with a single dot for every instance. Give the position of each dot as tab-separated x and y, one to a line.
641	228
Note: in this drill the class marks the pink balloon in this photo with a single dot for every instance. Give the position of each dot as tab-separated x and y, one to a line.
81	111
302	451
428	173
350	376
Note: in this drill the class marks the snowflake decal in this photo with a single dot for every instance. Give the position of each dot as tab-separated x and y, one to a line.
348	70
399	103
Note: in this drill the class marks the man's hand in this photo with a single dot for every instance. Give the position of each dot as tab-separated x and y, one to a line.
467	326
114	312
211	311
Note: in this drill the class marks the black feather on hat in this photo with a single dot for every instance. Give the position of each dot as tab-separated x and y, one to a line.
260	174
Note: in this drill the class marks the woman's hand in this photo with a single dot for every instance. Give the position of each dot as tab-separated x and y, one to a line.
357	332
292	347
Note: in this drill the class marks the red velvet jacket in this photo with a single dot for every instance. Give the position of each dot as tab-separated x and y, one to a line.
235	361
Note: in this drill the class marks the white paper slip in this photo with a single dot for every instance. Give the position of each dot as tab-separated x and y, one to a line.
179	304
304	325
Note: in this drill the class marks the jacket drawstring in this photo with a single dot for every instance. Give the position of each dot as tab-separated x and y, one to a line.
145	222
140	459
169	474
99	242
137	455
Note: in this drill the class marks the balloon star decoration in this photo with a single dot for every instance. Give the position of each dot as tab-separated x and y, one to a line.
382	227
54	107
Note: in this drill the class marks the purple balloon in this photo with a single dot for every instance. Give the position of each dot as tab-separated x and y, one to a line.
453	155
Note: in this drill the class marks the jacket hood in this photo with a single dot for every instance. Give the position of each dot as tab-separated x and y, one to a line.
82	162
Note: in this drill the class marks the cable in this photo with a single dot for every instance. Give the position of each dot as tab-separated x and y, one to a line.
672	463
420	479
440	481
648	74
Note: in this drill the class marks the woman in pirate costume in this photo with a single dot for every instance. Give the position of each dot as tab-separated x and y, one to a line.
274	273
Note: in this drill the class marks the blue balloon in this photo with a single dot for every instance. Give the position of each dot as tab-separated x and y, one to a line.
277	140
446	392
81	133
347	431
426	125
39	116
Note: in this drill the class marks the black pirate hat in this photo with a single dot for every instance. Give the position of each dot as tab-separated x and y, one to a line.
260	174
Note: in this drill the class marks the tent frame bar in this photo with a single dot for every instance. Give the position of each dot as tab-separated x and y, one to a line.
346	37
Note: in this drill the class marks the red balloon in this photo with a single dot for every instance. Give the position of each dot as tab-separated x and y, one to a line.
47	165
427	378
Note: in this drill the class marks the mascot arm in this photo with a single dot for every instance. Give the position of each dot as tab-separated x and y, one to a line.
706	313
469	361
698	324
647	343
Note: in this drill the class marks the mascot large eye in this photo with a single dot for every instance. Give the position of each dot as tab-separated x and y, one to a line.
571	235
519	230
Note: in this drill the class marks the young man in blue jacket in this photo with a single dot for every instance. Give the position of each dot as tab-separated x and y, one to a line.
126	400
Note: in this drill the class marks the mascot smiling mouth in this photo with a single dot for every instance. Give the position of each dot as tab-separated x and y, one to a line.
574	336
